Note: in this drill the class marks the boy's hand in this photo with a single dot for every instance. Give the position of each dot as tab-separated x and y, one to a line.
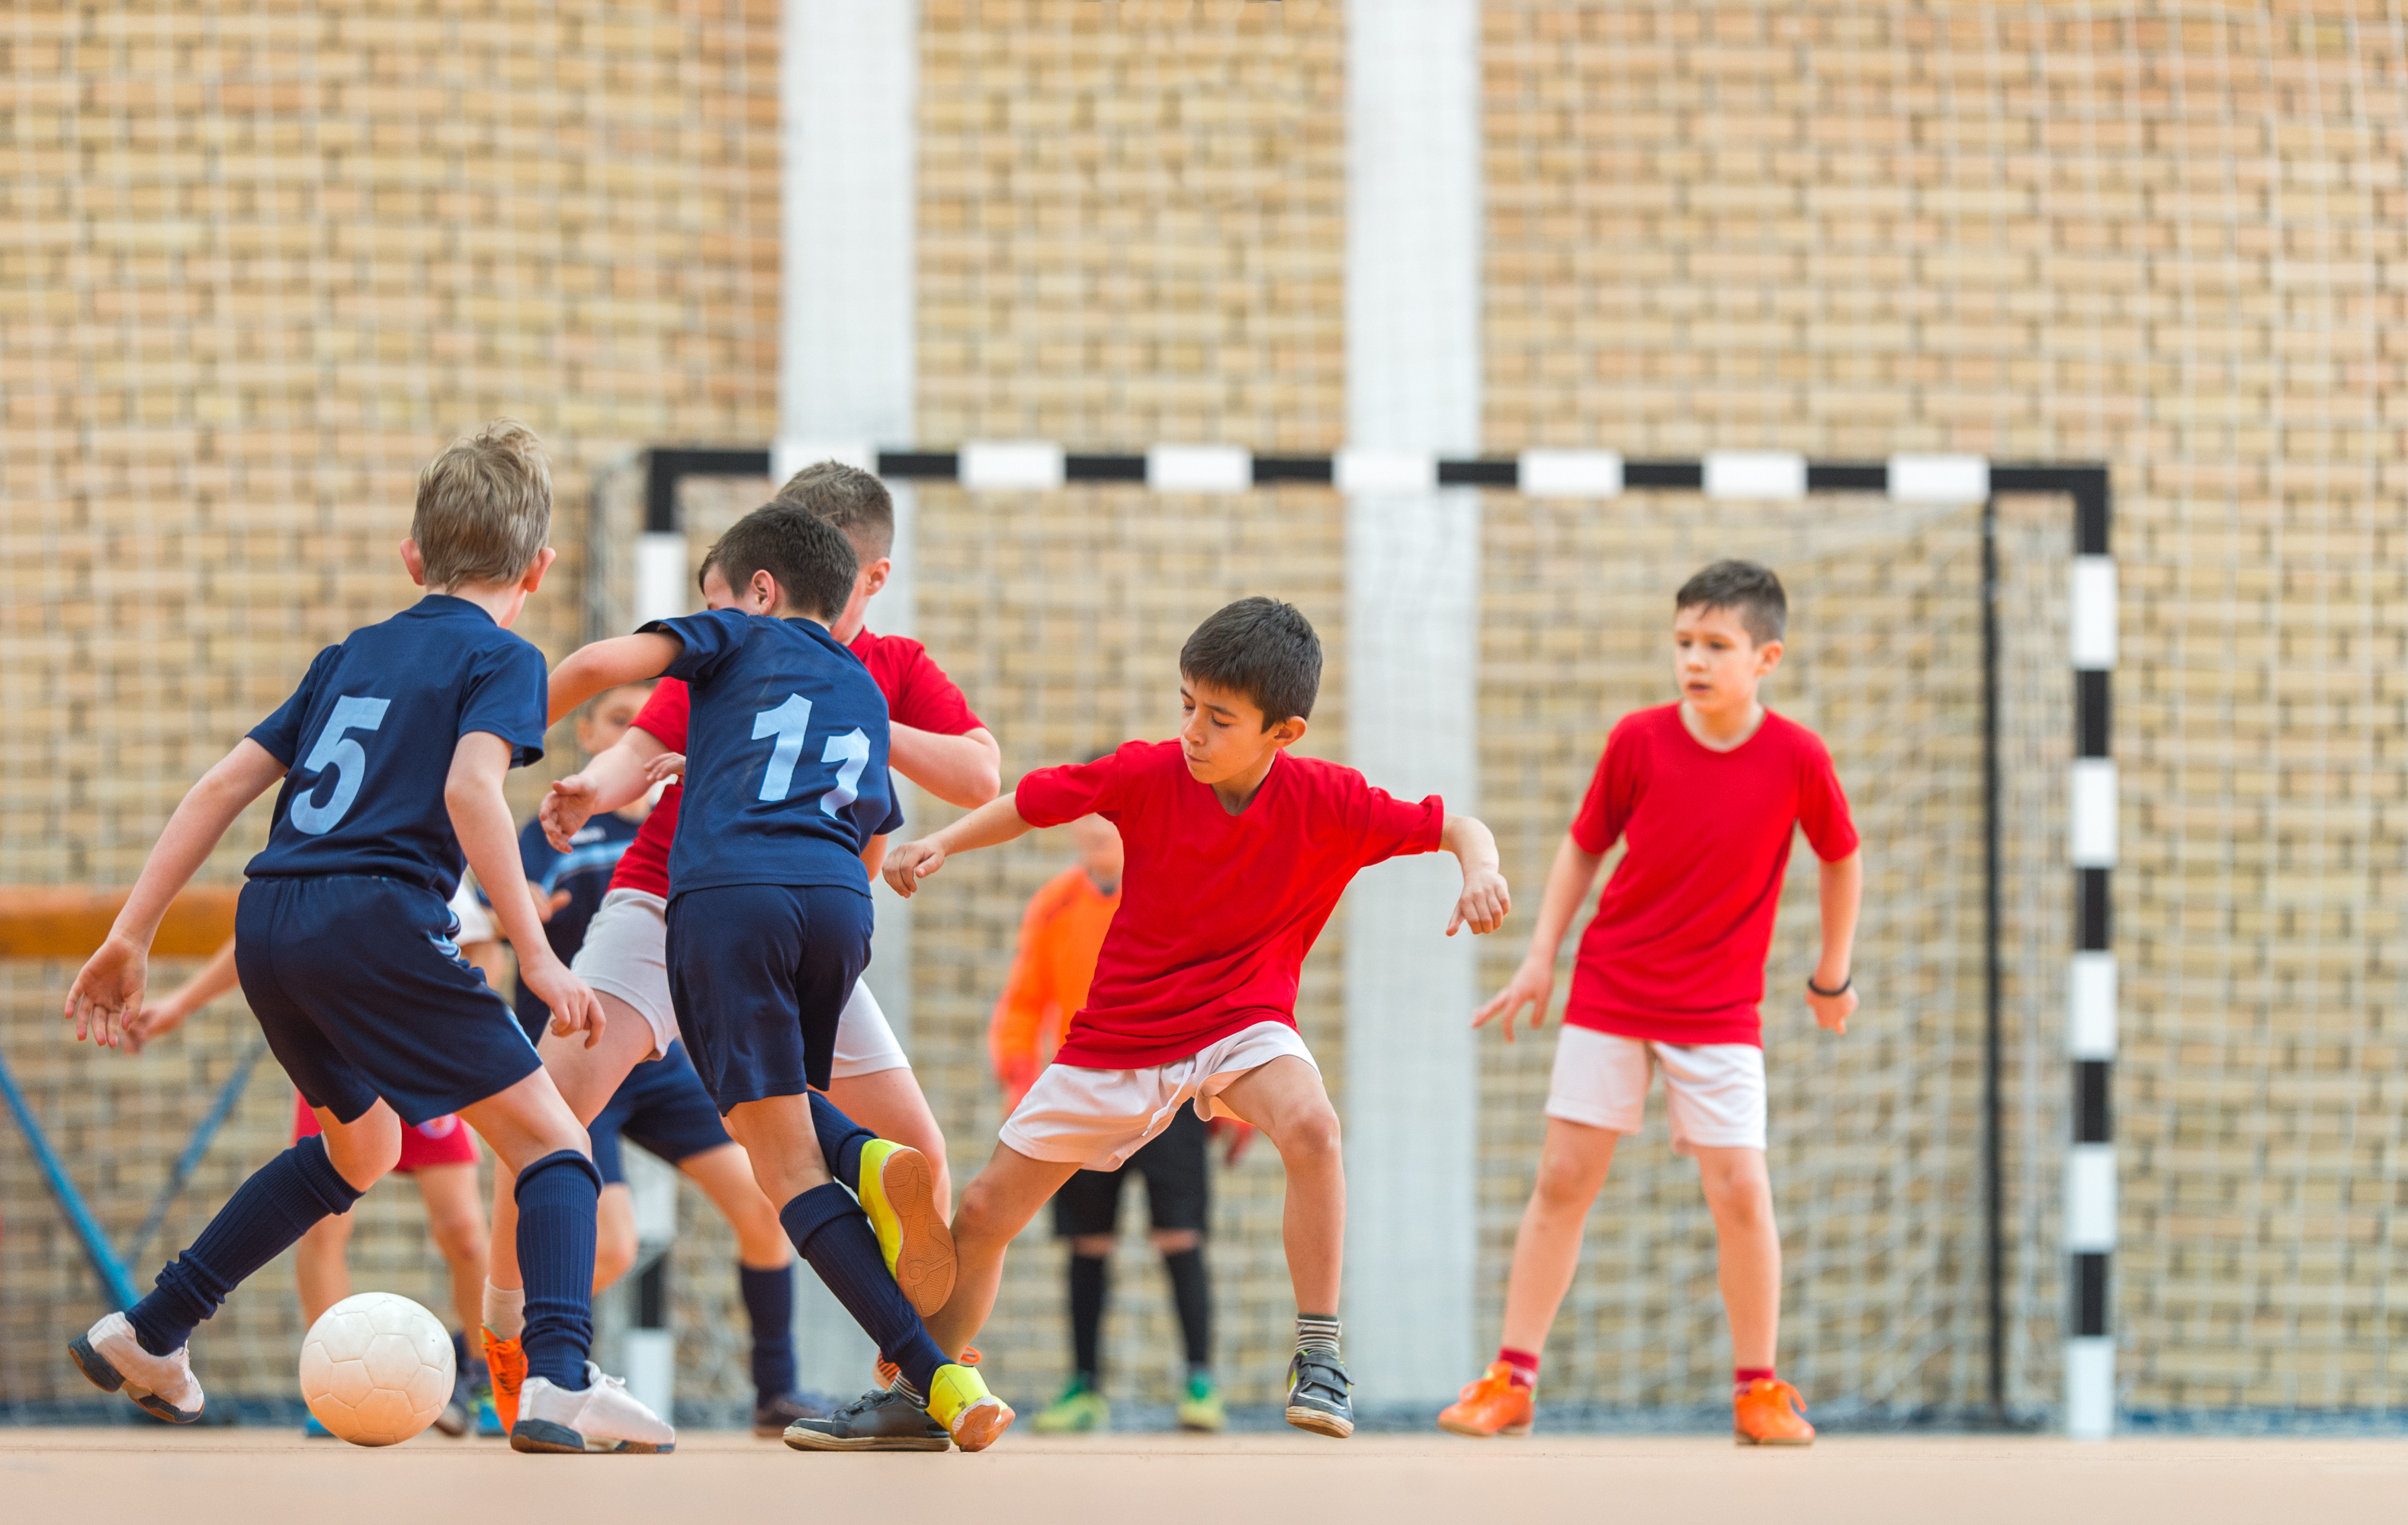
1832	1012
107	992
548	906
667	764
1483	905
155	1020
575	1008
1533	985
907	865
566	810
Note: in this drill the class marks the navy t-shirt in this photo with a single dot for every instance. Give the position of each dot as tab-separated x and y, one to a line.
368	740
584	871
785	770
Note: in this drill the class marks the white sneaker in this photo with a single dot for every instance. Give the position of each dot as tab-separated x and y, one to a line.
603	1416
112	1358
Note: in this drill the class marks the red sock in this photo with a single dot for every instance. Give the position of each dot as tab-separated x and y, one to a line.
1743	1375
1525	1366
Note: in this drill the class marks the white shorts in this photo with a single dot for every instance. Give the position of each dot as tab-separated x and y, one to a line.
1714	1091
1096	1119
625	954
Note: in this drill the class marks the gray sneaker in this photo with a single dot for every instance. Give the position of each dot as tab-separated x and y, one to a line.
769	1419
881	1420
112	1359
1319	1393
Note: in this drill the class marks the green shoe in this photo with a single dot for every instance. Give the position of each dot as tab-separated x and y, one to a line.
1079	1410
1201	1408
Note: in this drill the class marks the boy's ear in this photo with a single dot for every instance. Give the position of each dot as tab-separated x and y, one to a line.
1288	732
542	563
412	559
1768	656
874	575
761	594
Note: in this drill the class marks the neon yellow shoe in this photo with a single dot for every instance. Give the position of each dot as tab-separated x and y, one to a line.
958	1399
1201	1409
898	1191
1079	1410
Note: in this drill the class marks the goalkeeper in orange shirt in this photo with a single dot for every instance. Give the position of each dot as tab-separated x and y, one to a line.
1060	935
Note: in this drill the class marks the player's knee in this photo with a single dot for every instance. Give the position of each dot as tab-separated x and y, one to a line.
982	1215
1562	1185
460	1235
1091	1246
1314	1133
614	1252
1177	1240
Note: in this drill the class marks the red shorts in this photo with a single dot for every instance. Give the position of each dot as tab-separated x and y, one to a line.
438	1141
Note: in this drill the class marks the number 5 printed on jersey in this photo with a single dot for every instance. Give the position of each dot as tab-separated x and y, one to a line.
340	753
788	723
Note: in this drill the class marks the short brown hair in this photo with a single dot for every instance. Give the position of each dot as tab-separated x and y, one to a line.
485	507
1751	594
851	499
1262	648
812	561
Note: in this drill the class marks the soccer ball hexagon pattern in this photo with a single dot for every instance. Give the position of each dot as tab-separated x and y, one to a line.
377	1369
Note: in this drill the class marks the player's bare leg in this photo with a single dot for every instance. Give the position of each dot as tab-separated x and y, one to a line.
999	1202
726	1176
1747	1249
321	1266
1572	1166
1287	1100
455	1220
614	1233
585	1078
890	1103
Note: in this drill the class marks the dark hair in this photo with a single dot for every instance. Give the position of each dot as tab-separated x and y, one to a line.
1751	593
851	499
811	559
1263	649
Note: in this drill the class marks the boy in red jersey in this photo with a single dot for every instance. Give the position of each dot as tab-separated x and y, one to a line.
1706	792
1236	852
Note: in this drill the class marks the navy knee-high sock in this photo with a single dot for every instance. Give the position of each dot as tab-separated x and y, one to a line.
840	1140
833	1233
1192	1294
769	1299
266	1214
1090	1281
556	1195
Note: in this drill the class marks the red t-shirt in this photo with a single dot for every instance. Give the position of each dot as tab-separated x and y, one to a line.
1217	910
918	694
1676	952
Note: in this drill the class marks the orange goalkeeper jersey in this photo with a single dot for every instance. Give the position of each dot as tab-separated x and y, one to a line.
1060	935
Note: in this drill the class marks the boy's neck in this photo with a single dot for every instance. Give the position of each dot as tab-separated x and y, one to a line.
501	600
1238	792
1723	730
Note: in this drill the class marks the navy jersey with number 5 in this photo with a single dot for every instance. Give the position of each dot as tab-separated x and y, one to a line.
785	775
368	740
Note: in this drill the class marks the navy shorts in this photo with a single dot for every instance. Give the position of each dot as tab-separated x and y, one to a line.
362	994
662	1106
1178	1191
759	974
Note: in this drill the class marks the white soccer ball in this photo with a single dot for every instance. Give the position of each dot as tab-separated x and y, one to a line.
377	1369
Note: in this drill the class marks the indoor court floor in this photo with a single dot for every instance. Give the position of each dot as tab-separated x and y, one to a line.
259	1477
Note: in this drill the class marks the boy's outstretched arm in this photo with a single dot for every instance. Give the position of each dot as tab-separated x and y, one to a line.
1534	983
618	775
109	990
997	821
481	819
1842	892
965	769
1485	901
605	665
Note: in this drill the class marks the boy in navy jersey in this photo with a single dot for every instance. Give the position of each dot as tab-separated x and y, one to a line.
391	751
787	802
1234	852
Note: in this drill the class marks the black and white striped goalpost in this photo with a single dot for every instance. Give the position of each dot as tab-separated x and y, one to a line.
2089	1189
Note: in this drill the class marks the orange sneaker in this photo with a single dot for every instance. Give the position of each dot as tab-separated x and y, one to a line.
1770	1413
889	1374
1491	1406
505	1364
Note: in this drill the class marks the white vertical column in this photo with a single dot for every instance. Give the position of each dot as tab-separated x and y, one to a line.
1412	602
2090	1163
848	97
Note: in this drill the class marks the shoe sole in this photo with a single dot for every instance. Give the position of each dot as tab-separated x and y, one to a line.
101	1372
1472	1431
982	1424
1741	1437
812	1440
924	1258
1336	1426
542	1437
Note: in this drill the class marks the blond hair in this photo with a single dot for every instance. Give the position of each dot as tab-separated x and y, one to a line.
485	507
851	499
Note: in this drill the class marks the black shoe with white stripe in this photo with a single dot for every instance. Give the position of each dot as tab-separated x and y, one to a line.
1319	1393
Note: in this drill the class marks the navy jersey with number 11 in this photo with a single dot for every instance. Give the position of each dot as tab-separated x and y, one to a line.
786	774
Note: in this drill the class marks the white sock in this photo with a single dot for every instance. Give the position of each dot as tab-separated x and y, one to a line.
505	1311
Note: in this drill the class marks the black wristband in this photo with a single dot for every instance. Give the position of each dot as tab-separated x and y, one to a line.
1829	995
